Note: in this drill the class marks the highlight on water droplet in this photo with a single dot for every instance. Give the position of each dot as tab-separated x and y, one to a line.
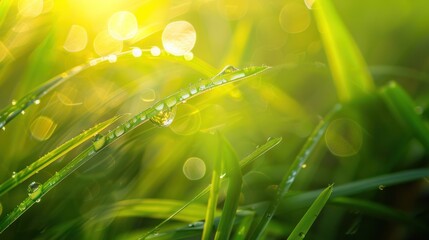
194	168
13	174
343	137
34	190
112	58
304	165
37	101
148	95
13	102
98	142
119	131
30	8
136	51
190	121
42	128
76	39
104	44
309	3
179	37
188	56
165	116
155	51
381	187
122	25
294	18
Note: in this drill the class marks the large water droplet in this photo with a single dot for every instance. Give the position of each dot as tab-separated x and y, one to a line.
34	191
98	142
119	131
165	116
228	69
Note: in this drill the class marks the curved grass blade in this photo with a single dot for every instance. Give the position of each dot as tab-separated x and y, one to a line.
13	110
380	211
310	216
303	199
349	70
213	197
158	109
243	164
293	171
232	167
52	156
245	225
403	108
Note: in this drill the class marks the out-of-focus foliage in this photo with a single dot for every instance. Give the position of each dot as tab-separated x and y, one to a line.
40	39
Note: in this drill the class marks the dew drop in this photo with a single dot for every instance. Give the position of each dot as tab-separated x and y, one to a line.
21	206
301	235
112	58
13	102
165	116
155	51
171	102
304	166
227	69
184	95
137	52
22	112
37	101
381	187
3	128
188	56
13	174
223	175
98	142
193	89
119	131
127	125
34	190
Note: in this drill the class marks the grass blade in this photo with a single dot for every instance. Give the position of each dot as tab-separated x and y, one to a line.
303	199
214	192
380	211
245	162
52	156
158	109
310	216
234	189
293	171
403	108
349	70
244	227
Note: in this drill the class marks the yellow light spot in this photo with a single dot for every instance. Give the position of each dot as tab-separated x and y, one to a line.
194	168
190	123
122	25
179	37
104	44
304	166
233	9
309	3
343	137
42	128
148	95
294	18
30	8
76	40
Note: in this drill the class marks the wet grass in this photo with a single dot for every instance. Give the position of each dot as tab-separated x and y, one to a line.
328	116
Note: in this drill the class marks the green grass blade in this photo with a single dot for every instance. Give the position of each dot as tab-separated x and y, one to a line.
232	166
310	216
244	163
158	109
380	211
402	107
4	9
214	193
349	70
303	199
52	156
293	171
244	227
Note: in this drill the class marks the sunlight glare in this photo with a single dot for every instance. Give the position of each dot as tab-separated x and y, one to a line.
122	25
42	128
104	44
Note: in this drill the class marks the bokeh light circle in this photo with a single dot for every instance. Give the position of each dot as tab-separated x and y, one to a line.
294	18
343	137
122	25
178	38
194	168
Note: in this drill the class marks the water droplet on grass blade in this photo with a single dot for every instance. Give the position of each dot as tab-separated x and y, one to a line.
165	116
137	52
14	102
98	142
34	191
228	69
37	101
301	235
381	187
155	51
119	131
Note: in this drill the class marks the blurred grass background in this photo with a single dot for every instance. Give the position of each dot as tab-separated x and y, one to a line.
287	101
